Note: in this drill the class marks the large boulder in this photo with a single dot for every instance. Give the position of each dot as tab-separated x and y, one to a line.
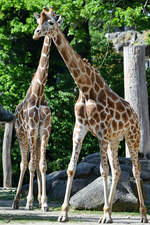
92	196
87	171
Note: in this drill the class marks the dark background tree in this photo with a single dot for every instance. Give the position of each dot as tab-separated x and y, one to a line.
85	23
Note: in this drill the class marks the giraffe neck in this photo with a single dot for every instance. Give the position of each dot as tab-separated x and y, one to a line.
40	77
84	75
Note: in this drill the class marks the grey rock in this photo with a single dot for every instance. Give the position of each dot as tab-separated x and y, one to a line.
92	196
92	158
84	169
5	116
87	173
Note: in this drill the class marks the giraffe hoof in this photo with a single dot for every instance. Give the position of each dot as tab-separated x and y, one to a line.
45	209
40	205
63	219
144	220
105	220
15	205
29	207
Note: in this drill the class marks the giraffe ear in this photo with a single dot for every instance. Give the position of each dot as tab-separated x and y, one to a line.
60	20
37	17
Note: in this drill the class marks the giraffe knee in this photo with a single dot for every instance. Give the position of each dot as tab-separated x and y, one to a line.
32	167
43	167
136	169
117	173
71	169
104	171
23	165
69	173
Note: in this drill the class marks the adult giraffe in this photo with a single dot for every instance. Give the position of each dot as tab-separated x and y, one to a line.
33	126
100	110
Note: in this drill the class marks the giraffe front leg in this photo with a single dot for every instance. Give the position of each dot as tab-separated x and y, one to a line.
78	136
104	173
43	169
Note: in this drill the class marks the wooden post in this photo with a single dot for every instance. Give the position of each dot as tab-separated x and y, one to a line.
136	91
6	156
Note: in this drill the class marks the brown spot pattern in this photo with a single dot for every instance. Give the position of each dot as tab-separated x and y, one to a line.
96	88
92	94
83	79
102	97
117	116
110	103
114	125
125	117
129	112
72	64
85	89
96	117
58	40
81	65
92	121
103	115
64	53
99	81
87	69
81	111
92	77
120	107
100	107
120	125
76	72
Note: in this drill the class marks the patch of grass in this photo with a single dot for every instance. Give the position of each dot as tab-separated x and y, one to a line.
101	212
7	193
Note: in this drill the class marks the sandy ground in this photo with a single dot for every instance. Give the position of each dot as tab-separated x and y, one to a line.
37	217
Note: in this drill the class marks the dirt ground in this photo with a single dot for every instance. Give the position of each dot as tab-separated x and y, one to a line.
37	217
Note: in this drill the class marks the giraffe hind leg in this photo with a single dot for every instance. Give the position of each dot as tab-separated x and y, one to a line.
23	166
136	173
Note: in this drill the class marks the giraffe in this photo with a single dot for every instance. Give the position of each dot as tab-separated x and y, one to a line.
99	110
33	126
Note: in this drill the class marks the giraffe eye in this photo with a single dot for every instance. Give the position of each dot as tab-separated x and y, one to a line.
51	23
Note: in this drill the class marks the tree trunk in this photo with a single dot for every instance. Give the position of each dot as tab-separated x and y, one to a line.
6	156
136	91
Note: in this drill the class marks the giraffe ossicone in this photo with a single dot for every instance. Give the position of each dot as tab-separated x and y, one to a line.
98	109
33	126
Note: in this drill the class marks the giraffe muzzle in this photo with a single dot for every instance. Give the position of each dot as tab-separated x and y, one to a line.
36	37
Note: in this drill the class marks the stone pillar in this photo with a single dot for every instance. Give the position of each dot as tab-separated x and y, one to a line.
6	156
136	91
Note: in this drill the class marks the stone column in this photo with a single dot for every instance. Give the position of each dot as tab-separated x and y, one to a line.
136	91
6	156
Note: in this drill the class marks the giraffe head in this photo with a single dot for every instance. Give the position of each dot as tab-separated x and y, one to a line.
46	21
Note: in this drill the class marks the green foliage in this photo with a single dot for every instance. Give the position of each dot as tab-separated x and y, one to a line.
85	23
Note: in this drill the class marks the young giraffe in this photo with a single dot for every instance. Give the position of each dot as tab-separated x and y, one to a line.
100	110
33	126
